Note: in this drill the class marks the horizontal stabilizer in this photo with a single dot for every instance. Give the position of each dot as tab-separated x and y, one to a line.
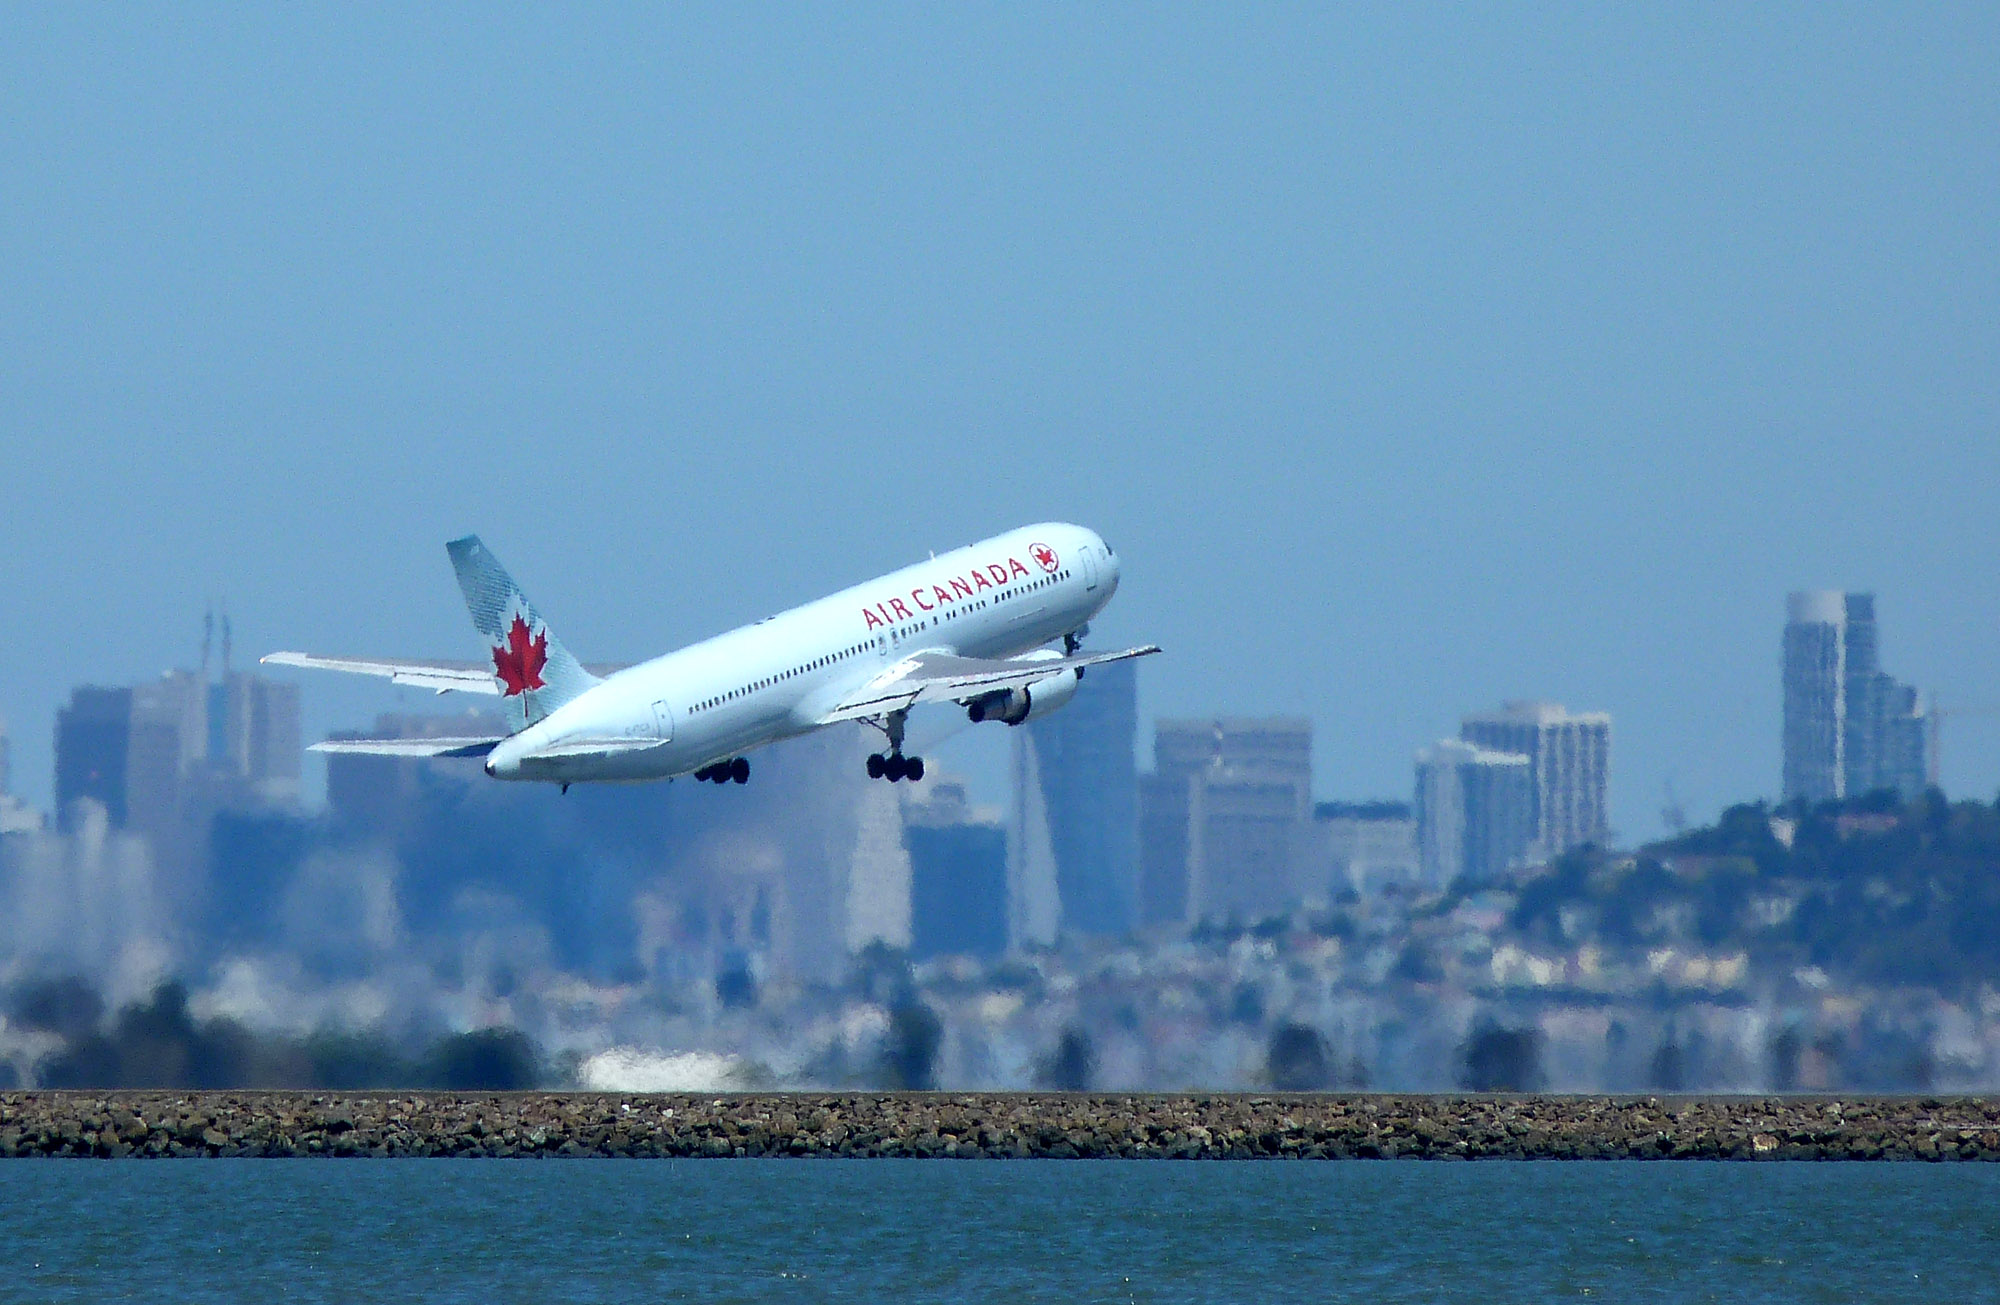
408	747
942	677
466	677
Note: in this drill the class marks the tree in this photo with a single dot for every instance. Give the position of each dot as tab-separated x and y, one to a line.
1667	1070
488	1060
1296	1060
1496	1059
348	1061
67	1007
1068	1067
909	1052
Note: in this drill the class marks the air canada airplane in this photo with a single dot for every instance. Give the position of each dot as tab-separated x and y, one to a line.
971	627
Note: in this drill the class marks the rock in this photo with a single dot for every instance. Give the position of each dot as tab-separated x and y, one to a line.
972	1124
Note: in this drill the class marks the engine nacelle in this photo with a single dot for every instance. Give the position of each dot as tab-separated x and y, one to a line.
1016	706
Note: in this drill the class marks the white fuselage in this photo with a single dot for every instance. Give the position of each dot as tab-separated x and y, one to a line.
779	677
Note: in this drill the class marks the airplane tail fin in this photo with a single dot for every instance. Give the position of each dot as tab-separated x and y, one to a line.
536	673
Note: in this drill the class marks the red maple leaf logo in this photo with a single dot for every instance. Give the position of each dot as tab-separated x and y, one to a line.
519	662
1045	557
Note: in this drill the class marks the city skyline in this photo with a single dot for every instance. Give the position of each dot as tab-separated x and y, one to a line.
1411	363
1907	748
784	930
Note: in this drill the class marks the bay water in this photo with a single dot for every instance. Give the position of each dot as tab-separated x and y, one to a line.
1115	1231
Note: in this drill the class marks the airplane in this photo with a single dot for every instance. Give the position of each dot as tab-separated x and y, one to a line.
972	626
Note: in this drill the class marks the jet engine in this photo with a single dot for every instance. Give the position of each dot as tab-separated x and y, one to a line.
1014	706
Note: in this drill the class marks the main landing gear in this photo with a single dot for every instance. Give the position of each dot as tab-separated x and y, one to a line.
737	769
893	765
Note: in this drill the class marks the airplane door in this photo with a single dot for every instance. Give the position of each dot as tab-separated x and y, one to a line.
1089	567
663	721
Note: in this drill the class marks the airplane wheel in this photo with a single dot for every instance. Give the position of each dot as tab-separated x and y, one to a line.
739	770
914	768
893	767
874	765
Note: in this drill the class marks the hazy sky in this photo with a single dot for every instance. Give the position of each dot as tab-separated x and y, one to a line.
1412	359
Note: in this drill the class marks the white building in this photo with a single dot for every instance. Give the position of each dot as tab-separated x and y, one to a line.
1367	847
1849	728
1475	812
1569	762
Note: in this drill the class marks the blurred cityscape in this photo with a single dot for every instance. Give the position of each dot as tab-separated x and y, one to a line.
1201	923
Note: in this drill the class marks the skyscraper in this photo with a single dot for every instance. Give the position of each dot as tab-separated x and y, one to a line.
16	817
1475	812
1815	695
1034	900
1569	767
958	873
1366	846
169	741
1087	776
253	734
93	746
1224	821
1849	728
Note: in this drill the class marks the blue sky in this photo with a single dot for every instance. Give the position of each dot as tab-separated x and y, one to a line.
1412	358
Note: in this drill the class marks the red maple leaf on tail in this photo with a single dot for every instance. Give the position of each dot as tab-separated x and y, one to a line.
519	661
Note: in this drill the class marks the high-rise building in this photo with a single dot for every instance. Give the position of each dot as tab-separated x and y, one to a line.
1224	820
1849	728
795	873
85	901
1475	812
169	741
1163	811
1034	896
1815	694
383	793
1087	786
958	873
1569	766
16	816
1367	846
93	747
163	755
253	735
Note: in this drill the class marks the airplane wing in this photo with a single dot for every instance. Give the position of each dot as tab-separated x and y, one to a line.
465	677
942	677
468	747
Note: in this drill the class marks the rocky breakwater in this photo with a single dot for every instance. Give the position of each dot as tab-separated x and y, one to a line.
967	1125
